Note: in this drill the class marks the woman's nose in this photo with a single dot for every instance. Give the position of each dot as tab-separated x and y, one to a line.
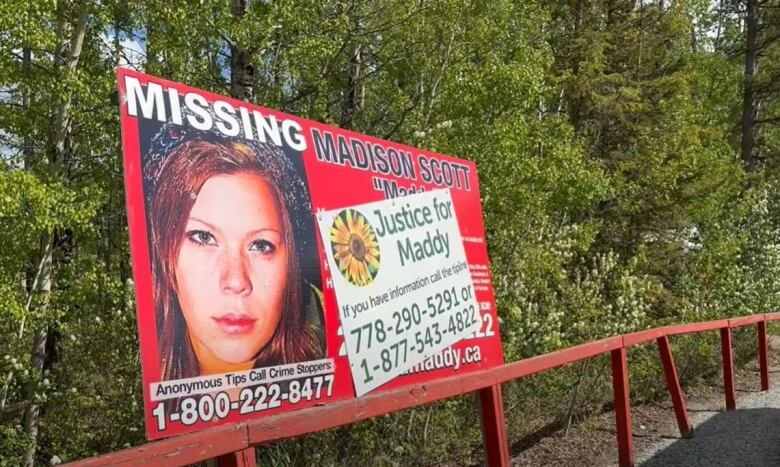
233	276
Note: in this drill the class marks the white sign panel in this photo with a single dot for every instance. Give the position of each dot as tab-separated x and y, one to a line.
402	283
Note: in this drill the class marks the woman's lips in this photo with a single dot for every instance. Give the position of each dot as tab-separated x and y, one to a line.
235	324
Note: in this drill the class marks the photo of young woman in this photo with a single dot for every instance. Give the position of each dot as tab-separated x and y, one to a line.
234	264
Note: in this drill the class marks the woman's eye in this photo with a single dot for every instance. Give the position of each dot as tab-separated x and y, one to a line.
263	246
201	237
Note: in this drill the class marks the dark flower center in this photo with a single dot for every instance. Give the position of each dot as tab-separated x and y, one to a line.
357	247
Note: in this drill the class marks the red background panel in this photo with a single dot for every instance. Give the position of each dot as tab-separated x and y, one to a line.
331	185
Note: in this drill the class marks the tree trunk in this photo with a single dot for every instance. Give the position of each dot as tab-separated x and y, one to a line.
38	354
242	72
45	341
351	103
749	98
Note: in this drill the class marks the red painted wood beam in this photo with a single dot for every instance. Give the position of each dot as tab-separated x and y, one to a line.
728	368
292	424
622	405
534	365
763	359
640	337
214	442
746	320
179	450
335	414
673	384
696	327
491	405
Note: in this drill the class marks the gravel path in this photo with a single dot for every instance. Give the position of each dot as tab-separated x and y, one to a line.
748	436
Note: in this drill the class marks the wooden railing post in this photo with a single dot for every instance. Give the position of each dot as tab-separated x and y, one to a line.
622	405
673	384
728	368
491	405
763	360
243	458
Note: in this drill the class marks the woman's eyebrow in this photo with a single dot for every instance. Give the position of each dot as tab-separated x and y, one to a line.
207	224
265	229
214	228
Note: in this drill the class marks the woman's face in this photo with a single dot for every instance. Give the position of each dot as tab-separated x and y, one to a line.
232	269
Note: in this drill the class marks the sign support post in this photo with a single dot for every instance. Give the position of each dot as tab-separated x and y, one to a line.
728	368
622	405
762	356
491	404
673	383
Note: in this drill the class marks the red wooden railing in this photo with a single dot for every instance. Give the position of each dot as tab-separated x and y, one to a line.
234	445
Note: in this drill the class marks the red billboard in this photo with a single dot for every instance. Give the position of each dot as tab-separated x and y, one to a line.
280	263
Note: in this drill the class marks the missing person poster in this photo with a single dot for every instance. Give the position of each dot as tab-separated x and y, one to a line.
280	263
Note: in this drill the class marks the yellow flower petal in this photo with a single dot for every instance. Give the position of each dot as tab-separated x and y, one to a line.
353	268
340	250
339	234
371	260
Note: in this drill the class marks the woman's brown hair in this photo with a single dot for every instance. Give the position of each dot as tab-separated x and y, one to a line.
177	179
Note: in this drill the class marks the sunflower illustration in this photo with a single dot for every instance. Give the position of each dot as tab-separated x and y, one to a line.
355	247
